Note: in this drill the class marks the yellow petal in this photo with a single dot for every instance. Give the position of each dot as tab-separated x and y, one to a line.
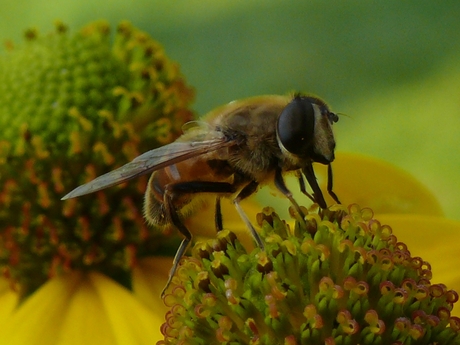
434	239
202	223
363	180
374	183
149	278
37	320
80	309
131	322
8	300
84	321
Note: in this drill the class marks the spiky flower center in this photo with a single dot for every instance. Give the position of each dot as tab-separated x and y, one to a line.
340	277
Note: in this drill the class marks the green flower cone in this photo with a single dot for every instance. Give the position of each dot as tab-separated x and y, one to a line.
340	277
72	107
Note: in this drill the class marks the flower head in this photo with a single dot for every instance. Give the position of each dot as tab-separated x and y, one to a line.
74	106
340	277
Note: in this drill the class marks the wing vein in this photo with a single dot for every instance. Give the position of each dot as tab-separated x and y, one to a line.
151	161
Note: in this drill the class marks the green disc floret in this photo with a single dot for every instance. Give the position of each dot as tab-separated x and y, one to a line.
74	106
340	277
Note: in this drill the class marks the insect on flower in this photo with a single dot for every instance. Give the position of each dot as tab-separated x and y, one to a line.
230	153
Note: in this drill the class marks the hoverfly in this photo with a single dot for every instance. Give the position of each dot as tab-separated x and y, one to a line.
230	153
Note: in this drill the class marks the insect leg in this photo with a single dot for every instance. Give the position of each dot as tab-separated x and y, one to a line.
175	220
174	190
311	178
224	188
329	184
218	216
248	190
279	183
302	186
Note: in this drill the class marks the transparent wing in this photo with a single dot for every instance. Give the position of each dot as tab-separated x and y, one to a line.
150	161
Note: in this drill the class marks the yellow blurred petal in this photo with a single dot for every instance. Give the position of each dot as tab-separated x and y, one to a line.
374	183
86	325
37	320
149	278
8	300
363	180
202	223
434	239
82	309
131	322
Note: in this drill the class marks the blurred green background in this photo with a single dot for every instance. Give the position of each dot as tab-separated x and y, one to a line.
393	67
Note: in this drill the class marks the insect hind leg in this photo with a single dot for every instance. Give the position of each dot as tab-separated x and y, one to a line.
173	191
176	221
224	188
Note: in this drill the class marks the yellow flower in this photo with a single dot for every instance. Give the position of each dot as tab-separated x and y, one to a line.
72	106
83	271
81	308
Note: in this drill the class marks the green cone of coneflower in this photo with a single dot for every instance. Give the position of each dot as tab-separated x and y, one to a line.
340	277
74	106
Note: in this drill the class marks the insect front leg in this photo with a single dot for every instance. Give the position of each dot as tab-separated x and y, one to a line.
281	185
311	178
302	186
329	185
248	190
218	216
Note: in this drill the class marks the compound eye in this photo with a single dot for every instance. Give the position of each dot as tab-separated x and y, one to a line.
296	125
